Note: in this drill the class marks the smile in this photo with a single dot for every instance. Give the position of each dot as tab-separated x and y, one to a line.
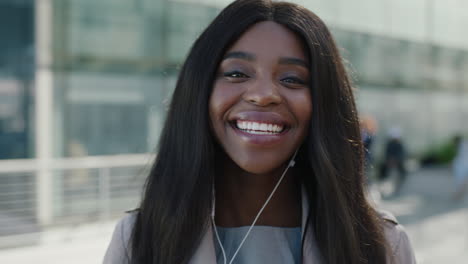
257	128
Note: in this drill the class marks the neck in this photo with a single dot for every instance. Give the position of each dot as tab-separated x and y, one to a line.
240	195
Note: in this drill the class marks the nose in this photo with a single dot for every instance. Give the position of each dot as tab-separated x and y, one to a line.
263	92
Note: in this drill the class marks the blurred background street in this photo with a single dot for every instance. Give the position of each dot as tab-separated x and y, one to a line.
437	225
84	86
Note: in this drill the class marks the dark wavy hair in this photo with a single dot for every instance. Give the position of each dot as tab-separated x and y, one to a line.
174	212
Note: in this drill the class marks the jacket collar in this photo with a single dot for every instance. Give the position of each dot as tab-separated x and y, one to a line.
206	251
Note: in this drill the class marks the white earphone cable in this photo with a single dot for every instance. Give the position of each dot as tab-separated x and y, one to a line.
290	164
215	229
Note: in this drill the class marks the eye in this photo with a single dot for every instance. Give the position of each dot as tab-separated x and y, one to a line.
293	80
235	74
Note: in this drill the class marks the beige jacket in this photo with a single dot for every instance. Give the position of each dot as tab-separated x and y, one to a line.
402	252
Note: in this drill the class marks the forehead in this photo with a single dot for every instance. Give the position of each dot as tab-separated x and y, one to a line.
269	38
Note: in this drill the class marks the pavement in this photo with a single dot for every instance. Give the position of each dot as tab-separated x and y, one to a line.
82	244
437	226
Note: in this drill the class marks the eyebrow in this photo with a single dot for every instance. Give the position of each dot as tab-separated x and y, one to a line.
251	57
293	61
239	55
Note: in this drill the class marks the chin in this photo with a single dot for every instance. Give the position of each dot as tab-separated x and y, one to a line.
259	167
255	169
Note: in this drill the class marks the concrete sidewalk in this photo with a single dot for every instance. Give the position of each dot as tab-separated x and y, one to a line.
438	228
73	245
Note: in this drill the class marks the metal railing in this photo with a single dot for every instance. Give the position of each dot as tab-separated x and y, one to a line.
82	190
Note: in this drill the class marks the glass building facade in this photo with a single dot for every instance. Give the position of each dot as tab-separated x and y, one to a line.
16	79
115	62
119	61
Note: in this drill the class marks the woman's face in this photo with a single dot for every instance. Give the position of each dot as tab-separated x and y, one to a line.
261	104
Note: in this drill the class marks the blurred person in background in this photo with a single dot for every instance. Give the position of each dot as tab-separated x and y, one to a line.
368	132
262	119
394	159
460	168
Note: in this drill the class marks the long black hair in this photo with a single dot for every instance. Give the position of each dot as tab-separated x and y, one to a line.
174	213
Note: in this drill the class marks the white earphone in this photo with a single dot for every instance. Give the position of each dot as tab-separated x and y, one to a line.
290	164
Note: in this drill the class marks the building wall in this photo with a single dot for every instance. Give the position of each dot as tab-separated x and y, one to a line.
401	55
418	87
118	63
115	62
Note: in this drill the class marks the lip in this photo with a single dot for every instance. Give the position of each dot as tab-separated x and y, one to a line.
260	117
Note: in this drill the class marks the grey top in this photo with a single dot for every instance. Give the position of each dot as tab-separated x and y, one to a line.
265	244
400	250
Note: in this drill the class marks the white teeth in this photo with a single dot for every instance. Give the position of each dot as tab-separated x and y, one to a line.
256	126
259	132
259	128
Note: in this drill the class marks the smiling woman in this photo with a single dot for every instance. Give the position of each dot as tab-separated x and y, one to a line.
260	159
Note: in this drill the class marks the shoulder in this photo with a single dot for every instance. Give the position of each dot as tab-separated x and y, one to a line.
118	250
397	239
126	223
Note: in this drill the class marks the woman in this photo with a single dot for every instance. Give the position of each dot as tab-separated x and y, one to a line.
263	89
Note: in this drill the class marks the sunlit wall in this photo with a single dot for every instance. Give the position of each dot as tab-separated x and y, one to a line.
408	59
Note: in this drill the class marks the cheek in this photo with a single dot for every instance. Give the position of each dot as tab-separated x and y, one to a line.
302	107
222	99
